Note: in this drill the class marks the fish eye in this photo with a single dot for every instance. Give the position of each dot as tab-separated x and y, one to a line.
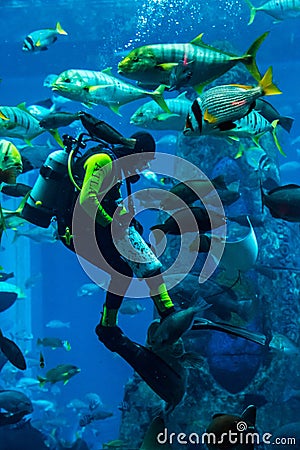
86	89
67	80
135	59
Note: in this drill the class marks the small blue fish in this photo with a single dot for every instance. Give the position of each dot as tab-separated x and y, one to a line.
39	40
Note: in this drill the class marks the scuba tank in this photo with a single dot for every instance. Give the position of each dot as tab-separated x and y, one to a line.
53	191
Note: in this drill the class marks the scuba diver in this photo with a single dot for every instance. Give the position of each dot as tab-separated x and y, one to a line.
94	208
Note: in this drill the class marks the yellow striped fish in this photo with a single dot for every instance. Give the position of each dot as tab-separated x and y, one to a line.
279	9
153	64
10	162
18	123
94	88
150	116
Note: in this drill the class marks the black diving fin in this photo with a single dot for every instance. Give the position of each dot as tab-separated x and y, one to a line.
162	379
253	336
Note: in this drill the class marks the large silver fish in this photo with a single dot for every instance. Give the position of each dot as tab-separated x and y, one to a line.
153	64
150	116
279	9
20	124
102	88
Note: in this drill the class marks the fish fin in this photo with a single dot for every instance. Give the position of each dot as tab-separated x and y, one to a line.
97	87
38	43
267	85
115	109
219	182
286	123
182	96
59	29
2	116
199	88
249	415
233	138
107	71
209	117
165	116
252	11
22	106
249	58
22	204
167	66
218	415
42	381
65	382
242	86
28	142
197	40
56	136
67	345
158	98
274	125
89	104
239	152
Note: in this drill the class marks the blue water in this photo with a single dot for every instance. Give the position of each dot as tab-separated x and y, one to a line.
99	34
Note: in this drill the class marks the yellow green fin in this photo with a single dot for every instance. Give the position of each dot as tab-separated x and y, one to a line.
22	106
249	57
267	85
115	109
274	125
252	11
209	117
197	40
166	116
107	71
167	66
158	98
2	116
59	29
242	86
199	88
38	43
56	136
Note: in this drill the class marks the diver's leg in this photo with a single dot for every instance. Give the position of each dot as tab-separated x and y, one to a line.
160	295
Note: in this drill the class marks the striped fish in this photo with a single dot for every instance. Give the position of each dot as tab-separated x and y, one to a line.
153	64
279	9
39	40
20	124
102	88
151	117
222	105
252	126
10	162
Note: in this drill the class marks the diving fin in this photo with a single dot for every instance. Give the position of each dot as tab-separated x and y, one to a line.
162	379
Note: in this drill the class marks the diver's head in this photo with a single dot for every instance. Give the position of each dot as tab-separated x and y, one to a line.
144	150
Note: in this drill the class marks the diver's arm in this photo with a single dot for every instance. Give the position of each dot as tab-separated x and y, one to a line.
97	168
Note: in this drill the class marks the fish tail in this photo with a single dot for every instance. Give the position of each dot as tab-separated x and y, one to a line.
158	98
286	123
252	11
56	136
42	381
249	59
266	83
67	345
274	125
59	29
